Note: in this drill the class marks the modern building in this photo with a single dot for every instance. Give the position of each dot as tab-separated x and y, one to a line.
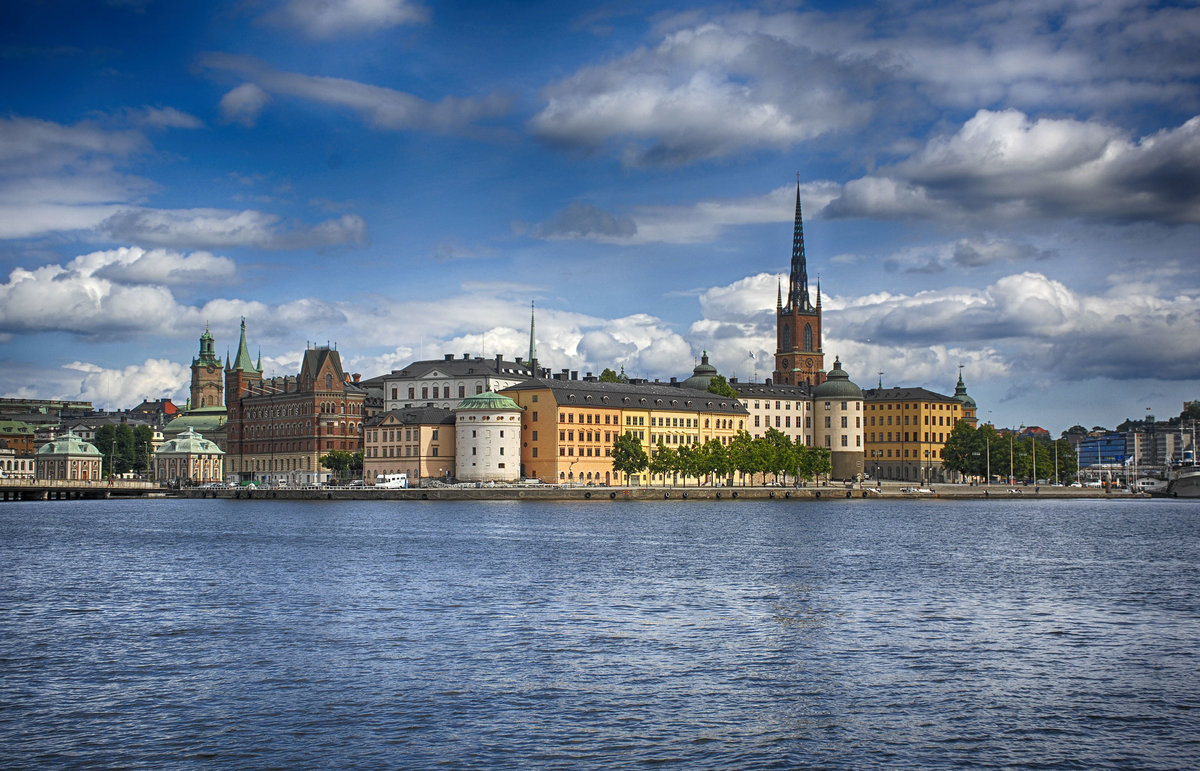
70	458
487	439
906	429
189	458
279	428
799	357
418	442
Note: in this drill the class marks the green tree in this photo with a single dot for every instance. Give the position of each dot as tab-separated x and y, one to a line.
778	453
662	461
628	455
609	376
963	451
741	455
720	386
687	462
337	461
814	462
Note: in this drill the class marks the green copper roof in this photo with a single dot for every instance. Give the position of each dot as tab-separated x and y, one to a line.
702	374
189	443
488	400
837	385
960	393
68	445
205	420
243	362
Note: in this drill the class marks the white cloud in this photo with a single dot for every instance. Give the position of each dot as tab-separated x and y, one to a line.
705	91
223	228
164	117
323	19
244	104
382	108
1006	165
125	387
135	265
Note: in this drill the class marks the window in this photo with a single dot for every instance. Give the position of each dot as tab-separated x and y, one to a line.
535	436
412	393
828	405
394	392
845	422
535	452
425	392
845	440
478	389
535	412
435	452
828	422
435	434
462	392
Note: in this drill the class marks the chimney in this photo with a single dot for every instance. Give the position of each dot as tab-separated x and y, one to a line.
448	356
673	381
466	356
357	377
499	358
574	374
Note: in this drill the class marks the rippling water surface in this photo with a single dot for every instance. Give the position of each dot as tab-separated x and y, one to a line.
847	634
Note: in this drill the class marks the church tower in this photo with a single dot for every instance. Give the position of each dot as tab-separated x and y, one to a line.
207	385
799	358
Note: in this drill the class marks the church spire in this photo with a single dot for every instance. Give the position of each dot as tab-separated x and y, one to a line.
242	361
798	283
532	342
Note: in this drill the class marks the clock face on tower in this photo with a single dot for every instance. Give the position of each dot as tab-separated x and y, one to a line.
785	364
808	362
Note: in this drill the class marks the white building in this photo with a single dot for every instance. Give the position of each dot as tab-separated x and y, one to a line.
446	382
487	439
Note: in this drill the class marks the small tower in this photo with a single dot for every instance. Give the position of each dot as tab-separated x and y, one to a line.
969	408
799	358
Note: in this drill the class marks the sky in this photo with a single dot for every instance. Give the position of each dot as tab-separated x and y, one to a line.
1009	187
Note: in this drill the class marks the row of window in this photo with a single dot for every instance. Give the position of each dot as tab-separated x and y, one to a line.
938	420
927	406
409	451
930	436
382	435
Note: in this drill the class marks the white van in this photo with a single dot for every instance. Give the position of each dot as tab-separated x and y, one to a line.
391	481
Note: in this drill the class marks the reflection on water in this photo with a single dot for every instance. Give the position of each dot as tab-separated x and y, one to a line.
751	634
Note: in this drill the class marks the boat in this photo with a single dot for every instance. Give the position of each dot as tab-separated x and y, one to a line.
1185	482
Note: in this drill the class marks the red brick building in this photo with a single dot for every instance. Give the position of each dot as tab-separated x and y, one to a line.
279	428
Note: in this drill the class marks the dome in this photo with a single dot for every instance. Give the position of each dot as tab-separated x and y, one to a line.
488	400
702	375
68	445
189	443
837	385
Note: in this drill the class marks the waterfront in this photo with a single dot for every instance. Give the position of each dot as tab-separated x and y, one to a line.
842	634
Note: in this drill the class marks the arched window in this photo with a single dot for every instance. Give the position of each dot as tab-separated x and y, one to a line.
787	338
328	382
808	346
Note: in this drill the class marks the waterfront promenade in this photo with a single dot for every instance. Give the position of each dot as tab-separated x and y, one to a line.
889	490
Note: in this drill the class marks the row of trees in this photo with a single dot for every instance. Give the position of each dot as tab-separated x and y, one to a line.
124	448
969	450
774	454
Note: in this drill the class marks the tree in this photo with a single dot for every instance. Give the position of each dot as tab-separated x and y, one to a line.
662	462
608	376
742	455
720	386
338	461
814	461
628	456
963	450
778	453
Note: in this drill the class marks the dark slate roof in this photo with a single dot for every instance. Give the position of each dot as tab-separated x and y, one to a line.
631	396
771	391
417	416
476	365
902	394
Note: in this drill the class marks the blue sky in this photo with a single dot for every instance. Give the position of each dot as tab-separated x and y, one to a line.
1012	187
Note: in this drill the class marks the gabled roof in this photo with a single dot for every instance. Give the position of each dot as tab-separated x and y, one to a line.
318	361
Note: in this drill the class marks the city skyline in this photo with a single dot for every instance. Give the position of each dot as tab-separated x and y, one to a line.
1011	189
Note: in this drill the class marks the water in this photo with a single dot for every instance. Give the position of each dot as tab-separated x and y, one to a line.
849	634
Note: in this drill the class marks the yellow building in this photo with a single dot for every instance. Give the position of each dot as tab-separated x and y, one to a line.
569	426
418	442
906	429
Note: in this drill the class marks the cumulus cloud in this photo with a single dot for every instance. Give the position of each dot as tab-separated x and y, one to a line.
583	220
382	108
705	91
1007	165
323	19
964	254
134	265
244	104
116	388
222	228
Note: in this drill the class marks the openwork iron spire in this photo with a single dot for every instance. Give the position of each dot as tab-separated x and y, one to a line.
798	284
532	341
